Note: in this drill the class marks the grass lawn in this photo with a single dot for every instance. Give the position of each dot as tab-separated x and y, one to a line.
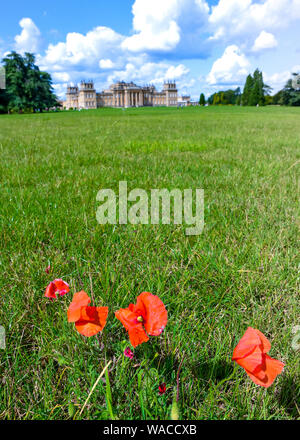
241	271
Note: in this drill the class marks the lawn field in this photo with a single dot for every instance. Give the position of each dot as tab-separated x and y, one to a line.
243	270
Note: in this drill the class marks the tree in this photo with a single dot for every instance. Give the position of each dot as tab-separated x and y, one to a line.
237	96
247	90
257	93
255	89
15	84
216	99
289	95
277	98
202	99
3	101
269	100
227	97
27	88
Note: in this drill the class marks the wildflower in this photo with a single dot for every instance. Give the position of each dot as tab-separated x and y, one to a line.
88	320
147	317
162	389
80	299
92	320
128	353
56	287
47	270
250	353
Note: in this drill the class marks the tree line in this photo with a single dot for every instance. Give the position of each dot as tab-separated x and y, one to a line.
256	92
28	89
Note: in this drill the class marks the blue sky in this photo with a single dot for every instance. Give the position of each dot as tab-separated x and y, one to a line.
204	45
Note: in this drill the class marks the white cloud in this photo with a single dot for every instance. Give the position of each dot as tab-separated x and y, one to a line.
165	33
232	18
265	40
175	72
189	28
229	9
61	76
100	52
278	80
60	90
154	31
186	86
149	72
231	68
162	25
164	40
85	49
106	64
29	38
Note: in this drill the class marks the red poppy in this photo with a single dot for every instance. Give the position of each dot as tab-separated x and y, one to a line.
57	287
88	320
250	353
162	389
80	299
147	317
92	320
128	353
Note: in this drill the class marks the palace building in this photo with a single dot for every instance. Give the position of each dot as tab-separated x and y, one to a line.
120	94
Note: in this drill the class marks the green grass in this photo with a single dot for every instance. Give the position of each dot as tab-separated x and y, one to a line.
241	271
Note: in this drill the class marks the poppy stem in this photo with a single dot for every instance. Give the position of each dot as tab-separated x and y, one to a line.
177	380
101	340
91	284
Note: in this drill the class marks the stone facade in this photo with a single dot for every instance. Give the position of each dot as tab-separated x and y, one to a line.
120	94
184	101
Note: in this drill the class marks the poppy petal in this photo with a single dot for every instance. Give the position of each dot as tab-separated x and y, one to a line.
50	291
127	318
128	353
252	361
80	299
61	286
92	320
267	373
131	307
265	343
247	344
156	315
139	308
162	388
137	334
